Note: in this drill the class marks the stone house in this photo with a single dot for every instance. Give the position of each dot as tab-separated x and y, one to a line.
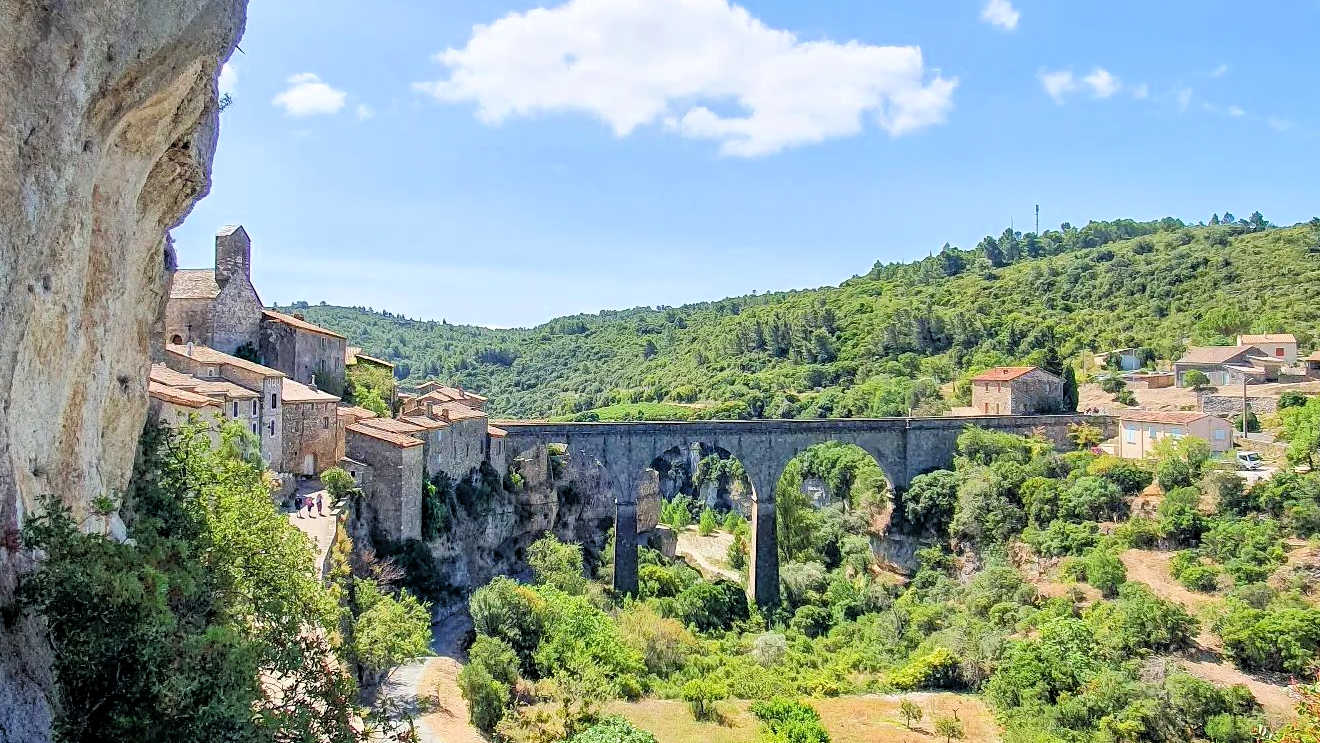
1282	346
1016	390
1149	380
393	485
172	406
1312	363
216	307
307	353
1140	430
311	430
1227	365
211	365
497	455
233	401
1127	358
433	391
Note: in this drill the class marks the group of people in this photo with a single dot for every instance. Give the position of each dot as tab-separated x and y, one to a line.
317	499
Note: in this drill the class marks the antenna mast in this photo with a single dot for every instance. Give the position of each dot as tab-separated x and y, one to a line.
1038	219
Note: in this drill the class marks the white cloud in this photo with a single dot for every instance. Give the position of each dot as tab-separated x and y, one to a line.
1236	111
364	112
1000	13
1184	98
1141	92
1219	71
636	62
1278	124
1058	83
307	95
228	82
1101	83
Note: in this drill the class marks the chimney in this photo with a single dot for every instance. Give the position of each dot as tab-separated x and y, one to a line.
313	382
444	414
233	254
190	348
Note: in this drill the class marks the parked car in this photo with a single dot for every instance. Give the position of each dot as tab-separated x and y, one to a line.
1249	460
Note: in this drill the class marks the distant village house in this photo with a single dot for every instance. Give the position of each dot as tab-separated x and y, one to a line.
1282	346
1016	390
1141	430
1228	365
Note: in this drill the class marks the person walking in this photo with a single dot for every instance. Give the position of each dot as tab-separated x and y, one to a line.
320	502
298	504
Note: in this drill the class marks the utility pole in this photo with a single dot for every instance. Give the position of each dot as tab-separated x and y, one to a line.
1244	406
1038	219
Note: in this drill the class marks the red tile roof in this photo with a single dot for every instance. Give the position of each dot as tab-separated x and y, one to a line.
208	355
1247	340
298	323
400	440
1175	417
1003	373
391	424
293	391
1212	354
179	396
498	433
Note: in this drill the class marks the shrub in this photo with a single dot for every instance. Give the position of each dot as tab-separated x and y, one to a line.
811	621
701	695
1128	474
708	522
937	668
613	729
1253	423
1285	639
787	721
769	649
737	553
1291	399
512	613
1139	620
1226	728
496	657
557	564
713	605
487	698
1062	538
1196	379
663	643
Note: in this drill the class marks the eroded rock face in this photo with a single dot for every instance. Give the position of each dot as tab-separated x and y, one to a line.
108	123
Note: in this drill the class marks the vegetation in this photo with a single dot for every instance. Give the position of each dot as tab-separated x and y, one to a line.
169	636
881	343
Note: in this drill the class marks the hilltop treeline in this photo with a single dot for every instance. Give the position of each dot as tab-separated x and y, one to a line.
882	343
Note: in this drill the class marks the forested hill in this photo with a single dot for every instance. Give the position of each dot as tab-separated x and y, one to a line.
879	344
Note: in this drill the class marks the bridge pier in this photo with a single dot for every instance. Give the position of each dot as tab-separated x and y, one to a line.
763	573
625	547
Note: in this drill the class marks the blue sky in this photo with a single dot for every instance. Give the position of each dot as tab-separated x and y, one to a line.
613	153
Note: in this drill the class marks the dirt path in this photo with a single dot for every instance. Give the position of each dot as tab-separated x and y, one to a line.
321	528
1276	699
709	554
430	686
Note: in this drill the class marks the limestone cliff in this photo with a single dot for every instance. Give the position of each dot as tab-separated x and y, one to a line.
108	121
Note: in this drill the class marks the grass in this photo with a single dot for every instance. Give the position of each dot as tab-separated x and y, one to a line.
849	719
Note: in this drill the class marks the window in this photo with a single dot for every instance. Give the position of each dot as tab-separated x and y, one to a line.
254	407
274	401
254	429
325	423
272	428
1278	351
1131	435
236	408
1151	432
1220	435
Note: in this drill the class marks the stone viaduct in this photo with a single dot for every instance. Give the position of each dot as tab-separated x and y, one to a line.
903	447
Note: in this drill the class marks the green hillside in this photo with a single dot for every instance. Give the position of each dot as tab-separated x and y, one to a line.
882	343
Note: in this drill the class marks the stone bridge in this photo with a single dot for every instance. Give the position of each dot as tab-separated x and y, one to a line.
903	447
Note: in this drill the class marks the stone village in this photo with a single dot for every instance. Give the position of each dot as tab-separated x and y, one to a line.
224	355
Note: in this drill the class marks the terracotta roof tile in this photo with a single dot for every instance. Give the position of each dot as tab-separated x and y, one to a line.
1003	373
194	283
1211	354
224	388
402	441
498	433
1175	417
1266	338
179	396
293	391
208	355
167	376
431	424
354	411
391	424
300	324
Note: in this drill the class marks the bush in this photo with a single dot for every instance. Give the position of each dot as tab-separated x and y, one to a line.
663	643
1291	399
487	698
1102	569
1062	538
701	695
1284	640
811	621
512	613
935	669
769	649
1128	474
787	721
706	526
713	605
737	553
496	657
557	564
1253	423
1196	379
613	729
1226	728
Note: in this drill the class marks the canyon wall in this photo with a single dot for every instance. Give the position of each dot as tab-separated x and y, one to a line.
108	121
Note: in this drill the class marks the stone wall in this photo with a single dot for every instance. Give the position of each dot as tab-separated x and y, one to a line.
110	125
236	317
459	447
303	355
309	428
394	496
1226	405
188	319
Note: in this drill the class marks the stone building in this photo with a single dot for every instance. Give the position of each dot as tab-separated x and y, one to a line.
233	402
311	430
1141	430
1227	365
216	307
433	391
1016	390
1281	346
211	365
307	353
174	407
393	486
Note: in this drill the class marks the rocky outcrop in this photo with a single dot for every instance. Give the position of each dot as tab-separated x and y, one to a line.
108	117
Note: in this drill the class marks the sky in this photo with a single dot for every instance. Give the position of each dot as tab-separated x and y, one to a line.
503	164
